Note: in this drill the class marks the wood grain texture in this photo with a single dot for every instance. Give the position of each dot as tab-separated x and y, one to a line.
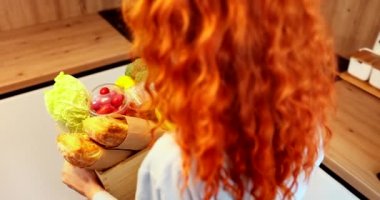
120	181
16	14
353	23
354	151
364	85
36	54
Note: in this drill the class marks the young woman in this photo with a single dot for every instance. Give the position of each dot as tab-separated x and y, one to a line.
248	85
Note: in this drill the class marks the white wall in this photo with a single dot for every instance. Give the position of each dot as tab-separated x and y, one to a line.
30	163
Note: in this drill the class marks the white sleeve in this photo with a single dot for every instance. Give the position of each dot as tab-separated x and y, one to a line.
103	195
160	174
145	189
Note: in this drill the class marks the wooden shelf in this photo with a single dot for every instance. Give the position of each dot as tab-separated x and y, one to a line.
354	150
360	84
36	54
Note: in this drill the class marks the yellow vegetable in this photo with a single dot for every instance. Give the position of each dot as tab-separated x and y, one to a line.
125	82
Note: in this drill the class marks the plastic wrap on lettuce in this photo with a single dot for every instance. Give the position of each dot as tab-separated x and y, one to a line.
67	102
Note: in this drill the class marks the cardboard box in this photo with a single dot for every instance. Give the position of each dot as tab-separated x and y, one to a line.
120	180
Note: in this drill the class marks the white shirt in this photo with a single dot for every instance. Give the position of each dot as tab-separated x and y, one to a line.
160	176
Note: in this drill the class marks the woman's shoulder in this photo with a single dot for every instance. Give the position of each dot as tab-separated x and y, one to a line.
165	148
163	157
159	175
161	171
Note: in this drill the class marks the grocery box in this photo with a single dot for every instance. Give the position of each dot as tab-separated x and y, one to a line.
120	180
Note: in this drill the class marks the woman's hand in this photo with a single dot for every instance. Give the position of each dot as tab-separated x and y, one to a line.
83	181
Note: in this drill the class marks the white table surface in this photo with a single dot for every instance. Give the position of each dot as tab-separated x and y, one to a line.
30	163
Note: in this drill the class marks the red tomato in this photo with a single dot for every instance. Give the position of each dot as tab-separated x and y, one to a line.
104	90
112	93
129	112
105	100
117	100
95	105
106	109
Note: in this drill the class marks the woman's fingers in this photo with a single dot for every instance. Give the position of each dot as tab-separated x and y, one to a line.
81	180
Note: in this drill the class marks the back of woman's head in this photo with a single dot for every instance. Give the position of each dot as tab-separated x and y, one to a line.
247	84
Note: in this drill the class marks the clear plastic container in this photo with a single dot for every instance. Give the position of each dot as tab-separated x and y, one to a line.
108	99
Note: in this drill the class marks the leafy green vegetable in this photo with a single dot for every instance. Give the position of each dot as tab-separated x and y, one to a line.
67	102
137	70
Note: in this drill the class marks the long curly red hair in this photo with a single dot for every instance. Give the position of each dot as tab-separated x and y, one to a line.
247	83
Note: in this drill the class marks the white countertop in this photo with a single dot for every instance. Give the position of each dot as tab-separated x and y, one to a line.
30	163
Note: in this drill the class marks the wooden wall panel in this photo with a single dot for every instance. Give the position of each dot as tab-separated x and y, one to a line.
20	13
353	23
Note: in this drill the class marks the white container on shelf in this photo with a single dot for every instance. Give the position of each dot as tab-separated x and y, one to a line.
374	79
359	69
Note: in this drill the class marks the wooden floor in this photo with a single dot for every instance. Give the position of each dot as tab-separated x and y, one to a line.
36	54
354	151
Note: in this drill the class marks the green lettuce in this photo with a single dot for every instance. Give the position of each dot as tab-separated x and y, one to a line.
67	102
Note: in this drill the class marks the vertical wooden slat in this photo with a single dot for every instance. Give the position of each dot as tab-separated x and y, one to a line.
353	23
93	5
110	4
4	22
16	14
70	8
